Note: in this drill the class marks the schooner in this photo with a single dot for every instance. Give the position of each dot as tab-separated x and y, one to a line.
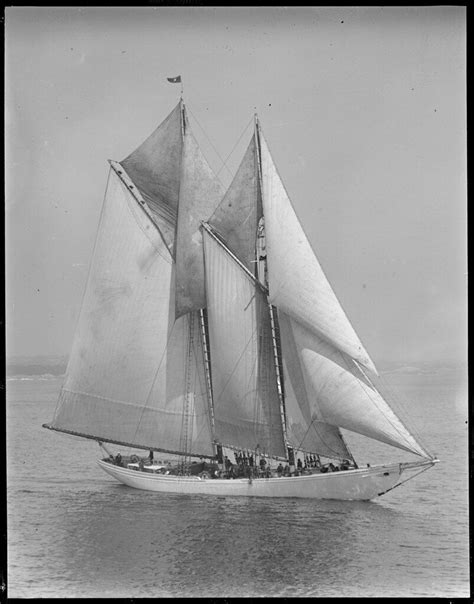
208	327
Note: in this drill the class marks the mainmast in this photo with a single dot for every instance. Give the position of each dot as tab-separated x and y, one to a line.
207	368
201	317
262	275
188	399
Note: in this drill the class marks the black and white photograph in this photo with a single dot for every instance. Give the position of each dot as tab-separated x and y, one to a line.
236	302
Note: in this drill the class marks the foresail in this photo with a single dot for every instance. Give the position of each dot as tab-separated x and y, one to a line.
236	217
297	284
200	193
126	379
246	404
338	392
155	168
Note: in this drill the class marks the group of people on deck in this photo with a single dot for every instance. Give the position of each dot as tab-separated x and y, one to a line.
247	465
312	464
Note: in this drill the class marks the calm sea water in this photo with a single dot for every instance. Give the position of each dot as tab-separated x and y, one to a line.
75	532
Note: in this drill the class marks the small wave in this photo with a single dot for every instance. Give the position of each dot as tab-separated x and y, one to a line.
31	378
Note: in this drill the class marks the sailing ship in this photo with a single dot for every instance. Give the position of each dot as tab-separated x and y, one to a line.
208	328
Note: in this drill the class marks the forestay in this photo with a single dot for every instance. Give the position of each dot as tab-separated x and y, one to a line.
297	284
246	403
125	381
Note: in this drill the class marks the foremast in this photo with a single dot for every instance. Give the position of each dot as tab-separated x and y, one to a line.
200	316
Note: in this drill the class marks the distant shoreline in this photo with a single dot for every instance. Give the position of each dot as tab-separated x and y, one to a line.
36	365
56	366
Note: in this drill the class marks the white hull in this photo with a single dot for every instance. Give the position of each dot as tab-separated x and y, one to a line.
361	484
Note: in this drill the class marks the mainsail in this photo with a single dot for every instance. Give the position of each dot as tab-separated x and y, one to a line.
130	374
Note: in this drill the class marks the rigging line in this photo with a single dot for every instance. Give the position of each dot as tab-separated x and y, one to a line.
336	455
147	401
406	480
212	145
135	193
235	146
384	390
300	221
367	393
89	270
204	345
397	399
134	212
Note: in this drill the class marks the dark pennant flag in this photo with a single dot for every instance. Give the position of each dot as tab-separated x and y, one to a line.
175	80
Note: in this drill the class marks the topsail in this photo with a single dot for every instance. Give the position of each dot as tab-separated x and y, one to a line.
155	168
237	216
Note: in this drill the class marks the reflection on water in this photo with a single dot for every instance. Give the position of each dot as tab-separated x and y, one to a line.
129	542
75	532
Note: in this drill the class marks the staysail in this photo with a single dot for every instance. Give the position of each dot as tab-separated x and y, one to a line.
246	404
297	283
125	381
304	429
338	392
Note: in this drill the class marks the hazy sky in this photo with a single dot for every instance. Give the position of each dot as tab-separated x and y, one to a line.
364	110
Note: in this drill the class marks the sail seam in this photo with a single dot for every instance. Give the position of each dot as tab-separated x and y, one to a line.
252	337
127	403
